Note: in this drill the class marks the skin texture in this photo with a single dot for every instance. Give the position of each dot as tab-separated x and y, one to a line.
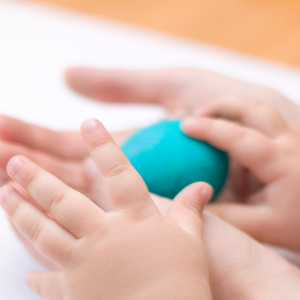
243	269
258	139
127	248
90	266
181	92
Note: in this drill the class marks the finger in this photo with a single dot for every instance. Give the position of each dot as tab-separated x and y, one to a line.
256	220
46	285
251	112
187	206
69	208
123	85
69	171
63	144
25	194
248	147
43	232
122	183
3	177
34	253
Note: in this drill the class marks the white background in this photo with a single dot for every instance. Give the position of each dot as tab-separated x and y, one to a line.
38	42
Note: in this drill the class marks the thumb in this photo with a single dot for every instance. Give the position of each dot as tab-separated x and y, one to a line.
187	206
255	220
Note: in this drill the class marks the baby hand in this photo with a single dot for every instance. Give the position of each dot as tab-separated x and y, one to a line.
258	139
132	252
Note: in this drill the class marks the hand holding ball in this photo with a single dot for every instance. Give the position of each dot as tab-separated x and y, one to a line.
168	160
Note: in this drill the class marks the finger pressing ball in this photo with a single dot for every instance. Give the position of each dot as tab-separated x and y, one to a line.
168	160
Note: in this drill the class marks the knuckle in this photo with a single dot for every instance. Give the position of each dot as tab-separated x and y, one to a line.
99	142
13	210
267	111
57	198
31	180
115	168
35	232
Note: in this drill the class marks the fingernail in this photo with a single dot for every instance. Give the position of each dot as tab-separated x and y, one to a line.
14	165
90	126
206	193
4	194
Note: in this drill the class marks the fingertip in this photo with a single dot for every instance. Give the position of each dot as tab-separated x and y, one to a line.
206	193
71	73
78	79
188	124
201	193
27	278
69	76
90	126
195	196
187	207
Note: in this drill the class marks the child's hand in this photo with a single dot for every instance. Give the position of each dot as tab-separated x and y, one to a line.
131	253
63	154
259	140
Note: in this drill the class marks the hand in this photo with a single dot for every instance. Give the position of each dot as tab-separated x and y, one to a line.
259	140
255	271
63	154
241	268
132	252
180	91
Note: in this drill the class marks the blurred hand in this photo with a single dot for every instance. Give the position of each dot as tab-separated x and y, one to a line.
180	91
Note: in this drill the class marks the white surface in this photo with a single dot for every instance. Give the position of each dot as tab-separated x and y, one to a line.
38	42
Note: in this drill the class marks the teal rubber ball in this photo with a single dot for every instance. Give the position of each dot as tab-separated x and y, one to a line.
168	160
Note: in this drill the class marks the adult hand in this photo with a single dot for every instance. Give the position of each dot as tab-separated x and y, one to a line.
180	91
241	268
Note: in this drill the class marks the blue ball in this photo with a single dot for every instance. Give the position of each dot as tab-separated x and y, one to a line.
168	160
